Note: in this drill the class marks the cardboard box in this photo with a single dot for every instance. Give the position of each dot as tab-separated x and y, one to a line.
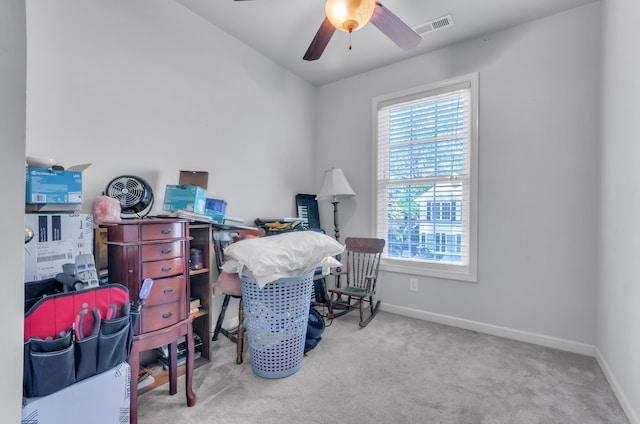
183	197
102	398
53	207
57	240
189	194
53	186
196	178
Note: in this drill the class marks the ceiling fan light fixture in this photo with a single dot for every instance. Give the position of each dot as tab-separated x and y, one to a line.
349	15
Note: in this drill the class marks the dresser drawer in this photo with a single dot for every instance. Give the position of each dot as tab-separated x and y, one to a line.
156	317
161	269
159	251
161	231
167	290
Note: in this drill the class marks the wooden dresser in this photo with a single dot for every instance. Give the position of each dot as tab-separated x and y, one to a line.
156	249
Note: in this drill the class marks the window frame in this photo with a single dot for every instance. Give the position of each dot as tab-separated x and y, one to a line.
415	266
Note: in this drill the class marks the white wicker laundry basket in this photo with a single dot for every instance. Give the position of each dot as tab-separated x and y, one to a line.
276	318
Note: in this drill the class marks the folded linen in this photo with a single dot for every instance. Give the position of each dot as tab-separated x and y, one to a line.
283	255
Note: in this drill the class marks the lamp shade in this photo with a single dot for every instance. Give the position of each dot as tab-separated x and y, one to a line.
335	185
349	15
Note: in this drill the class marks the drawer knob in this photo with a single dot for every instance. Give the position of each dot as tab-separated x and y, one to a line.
168	290
166	250
166	268
166	231
167	315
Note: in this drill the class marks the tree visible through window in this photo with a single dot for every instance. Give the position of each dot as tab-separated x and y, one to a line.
426	178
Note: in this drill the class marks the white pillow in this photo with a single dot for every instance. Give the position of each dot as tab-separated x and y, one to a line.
284	255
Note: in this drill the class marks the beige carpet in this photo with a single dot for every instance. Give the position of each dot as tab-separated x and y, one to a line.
397	370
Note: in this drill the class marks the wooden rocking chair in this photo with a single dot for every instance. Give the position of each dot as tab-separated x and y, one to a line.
356	286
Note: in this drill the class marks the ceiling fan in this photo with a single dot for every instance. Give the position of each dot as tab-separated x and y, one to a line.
351	15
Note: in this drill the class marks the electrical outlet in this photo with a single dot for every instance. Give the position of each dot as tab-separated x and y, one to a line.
413	284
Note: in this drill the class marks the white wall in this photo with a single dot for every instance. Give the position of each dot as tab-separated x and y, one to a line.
117	83
13	61
538	133
148	88
618	288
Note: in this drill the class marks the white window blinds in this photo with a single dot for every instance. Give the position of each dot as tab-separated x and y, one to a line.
425	173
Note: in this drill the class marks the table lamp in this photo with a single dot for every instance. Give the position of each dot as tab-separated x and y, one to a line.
335	186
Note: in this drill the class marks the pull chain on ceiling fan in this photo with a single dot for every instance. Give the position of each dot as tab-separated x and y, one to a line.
351	15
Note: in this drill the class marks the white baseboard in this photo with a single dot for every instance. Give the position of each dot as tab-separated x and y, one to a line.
494	330
632	416
524	336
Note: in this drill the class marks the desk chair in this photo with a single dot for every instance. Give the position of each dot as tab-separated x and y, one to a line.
223	235
236	335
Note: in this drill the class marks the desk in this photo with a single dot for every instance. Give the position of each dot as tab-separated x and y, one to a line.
153	339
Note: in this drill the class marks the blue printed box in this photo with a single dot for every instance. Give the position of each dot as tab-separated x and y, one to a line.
184	198
53	186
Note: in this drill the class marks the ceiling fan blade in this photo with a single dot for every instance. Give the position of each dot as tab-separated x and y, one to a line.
320	41
399	32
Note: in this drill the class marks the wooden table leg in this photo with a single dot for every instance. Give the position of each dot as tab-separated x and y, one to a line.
191	397
164	336
173	367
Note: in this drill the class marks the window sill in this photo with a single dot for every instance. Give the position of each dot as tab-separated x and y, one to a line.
439	270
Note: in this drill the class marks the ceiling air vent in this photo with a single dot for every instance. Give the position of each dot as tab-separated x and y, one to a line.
435	24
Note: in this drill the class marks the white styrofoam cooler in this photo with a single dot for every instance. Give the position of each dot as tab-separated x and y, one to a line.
103	398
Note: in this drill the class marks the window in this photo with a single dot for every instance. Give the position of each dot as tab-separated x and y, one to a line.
425	186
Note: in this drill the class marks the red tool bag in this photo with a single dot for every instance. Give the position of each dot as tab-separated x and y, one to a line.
73	335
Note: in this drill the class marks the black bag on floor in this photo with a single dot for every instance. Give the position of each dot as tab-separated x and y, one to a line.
315	328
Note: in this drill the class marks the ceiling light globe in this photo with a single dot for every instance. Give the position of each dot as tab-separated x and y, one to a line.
349	15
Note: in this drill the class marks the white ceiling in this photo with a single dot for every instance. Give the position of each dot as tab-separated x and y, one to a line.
283	29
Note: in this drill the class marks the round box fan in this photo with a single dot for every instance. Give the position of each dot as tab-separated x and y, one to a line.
134	193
